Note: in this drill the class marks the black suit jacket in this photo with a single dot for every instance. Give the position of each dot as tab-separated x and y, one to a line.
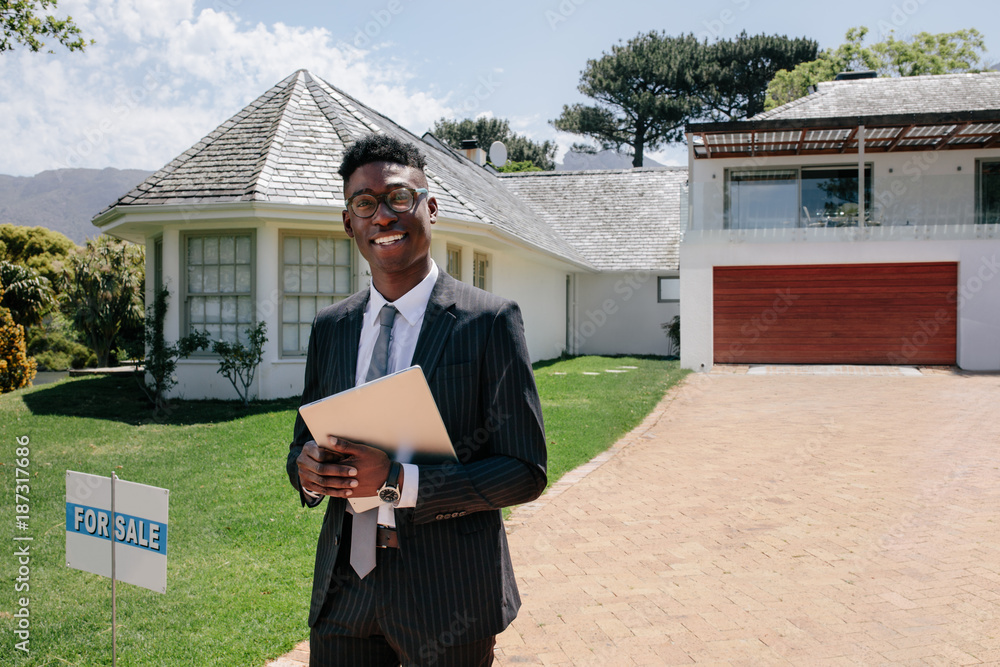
454	549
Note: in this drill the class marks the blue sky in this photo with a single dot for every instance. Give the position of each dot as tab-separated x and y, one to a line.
166	72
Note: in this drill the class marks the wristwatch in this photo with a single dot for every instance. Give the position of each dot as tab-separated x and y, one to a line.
389	493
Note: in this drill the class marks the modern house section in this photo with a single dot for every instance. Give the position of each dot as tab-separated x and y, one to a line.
860	224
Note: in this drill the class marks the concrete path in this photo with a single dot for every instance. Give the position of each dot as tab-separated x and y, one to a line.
774	519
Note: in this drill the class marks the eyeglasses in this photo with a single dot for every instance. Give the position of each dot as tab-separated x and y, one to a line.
399	200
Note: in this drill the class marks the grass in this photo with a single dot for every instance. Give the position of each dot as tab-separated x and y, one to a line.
241	549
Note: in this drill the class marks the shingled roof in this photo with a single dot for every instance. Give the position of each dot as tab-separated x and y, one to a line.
286	145
620	220
946	93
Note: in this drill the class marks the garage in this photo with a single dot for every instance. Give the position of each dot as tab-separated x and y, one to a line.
836	314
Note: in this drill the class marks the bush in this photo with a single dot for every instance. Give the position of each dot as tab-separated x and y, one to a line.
673	331
17	369
239	363
56	345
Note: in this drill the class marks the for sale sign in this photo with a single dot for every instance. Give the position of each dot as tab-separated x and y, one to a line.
137	528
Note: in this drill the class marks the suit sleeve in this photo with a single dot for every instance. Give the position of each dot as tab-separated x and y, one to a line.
512	429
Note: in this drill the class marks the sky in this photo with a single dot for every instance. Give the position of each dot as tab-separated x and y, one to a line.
164	73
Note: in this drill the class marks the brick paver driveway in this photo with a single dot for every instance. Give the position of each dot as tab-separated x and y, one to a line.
776	520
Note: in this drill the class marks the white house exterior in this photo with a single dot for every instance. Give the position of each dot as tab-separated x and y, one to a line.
782	260
246	226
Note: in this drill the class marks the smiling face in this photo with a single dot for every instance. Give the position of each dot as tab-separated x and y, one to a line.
396	245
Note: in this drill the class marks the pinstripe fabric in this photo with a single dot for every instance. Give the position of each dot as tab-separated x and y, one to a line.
472	350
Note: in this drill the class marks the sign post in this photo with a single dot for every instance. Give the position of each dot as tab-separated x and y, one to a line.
95	530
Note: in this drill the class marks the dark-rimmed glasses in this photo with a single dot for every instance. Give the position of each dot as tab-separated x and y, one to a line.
399	200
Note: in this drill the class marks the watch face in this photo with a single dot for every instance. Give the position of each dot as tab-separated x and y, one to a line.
388	495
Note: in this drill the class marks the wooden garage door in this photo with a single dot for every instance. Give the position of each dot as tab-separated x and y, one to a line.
836	314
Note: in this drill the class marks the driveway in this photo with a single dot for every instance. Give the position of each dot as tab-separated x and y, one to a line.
775	520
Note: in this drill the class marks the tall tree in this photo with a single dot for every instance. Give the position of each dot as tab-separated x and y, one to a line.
924	53
737	72
105	293
648	88
38	248
24	293
25	22
487	130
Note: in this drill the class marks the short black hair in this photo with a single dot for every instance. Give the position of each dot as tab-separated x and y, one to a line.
379	148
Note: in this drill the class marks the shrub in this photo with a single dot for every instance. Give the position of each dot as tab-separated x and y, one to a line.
673	331
239	363
161	359
56	345
17	369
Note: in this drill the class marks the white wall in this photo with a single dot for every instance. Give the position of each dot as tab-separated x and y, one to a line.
618	313
540	291
977	296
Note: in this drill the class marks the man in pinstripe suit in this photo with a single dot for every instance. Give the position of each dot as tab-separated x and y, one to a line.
443	586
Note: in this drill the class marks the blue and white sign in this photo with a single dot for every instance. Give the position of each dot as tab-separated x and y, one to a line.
138	529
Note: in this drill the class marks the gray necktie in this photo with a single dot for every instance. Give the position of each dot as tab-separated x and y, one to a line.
365	524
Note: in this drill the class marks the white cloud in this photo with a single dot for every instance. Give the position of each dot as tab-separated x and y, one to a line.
161	77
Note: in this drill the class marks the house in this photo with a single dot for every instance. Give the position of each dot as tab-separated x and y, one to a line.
858	224
246	226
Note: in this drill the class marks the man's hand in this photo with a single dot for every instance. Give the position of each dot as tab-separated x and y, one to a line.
342	469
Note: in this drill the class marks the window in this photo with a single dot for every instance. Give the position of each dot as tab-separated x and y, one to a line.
315	272
479	265
219	284
668	289
988	192
455	262
795	197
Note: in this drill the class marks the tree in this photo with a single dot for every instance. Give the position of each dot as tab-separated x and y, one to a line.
924	53
239	362
26	294
105	292
24	23
38	248
161	359
649	88
737	72
487	130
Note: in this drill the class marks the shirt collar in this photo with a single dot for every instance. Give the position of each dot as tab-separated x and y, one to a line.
412	304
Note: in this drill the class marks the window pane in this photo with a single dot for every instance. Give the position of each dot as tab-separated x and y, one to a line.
228	333
307	309
308	280
211	250
227	250
309	250
291	279
304	335
290	338
830	196
227	279
244	307
212	279
243	250
195	279
342	280
290	309
213	309
324	252
196	309
325	280
343	252
214	331
243	279
291	250
670	289
194	251
229	309
763	199
989	193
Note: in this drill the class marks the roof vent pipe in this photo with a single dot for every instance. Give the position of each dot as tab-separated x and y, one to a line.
470	148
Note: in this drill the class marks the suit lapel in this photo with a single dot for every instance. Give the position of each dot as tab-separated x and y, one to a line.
346	341
438	322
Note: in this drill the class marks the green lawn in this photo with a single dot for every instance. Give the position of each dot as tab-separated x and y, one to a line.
240	547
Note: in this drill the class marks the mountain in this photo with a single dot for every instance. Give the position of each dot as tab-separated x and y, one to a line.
64	200
574	161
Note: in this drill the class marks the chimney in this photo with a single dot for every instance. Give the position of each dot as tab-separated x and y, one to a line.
855	75
472	151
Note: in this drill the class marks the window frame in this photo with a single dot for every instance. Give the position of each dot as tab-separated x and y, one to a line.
798	169
478	257
186	295
979	212
283	236
659	289
457	250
